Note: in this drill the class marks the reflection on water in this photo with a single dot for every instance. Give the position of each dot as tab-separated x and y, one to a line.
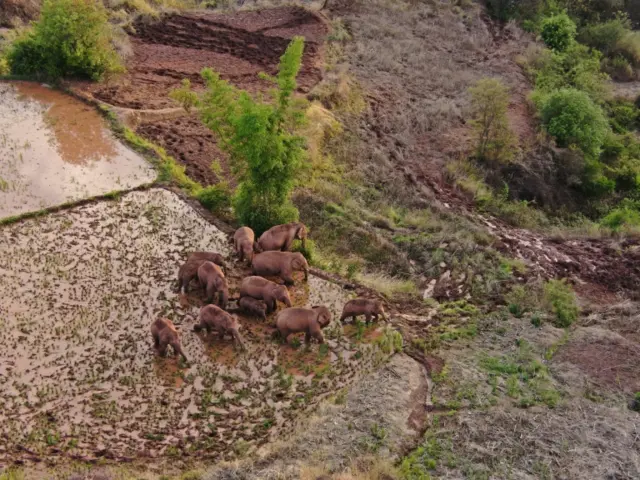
54	149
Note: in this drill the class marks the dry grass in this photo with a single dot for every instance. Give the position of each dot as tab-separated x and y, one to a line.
388	286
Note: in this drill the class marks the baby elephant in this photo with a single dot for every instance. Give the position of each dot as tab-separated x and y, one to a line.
212	317
309	320
263	289
244	243
164	333
211	276
281	264
253	307
281	237
189	270
363	306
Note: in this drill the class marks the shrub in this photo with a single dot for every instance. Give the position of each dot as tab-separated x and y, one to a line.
71	39
215	198
622	218
490	99
558	31
4	66
561	301
624	116
573	119
629	47
619	68
635	403
260	137
605	36
578	67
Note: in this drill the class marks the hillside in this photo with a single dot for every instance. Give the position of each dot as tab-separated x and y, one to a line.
512	273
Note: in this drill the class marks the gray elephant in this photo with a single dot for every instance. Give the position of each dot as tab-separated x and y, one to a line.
189	270
363	306
309	320
164	333
253	306
280	264
263	289
212	317
281	237
244	244
211	276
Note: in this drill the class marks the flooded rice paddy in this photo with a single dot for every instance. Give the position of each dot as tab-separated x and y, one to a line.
55	149
78	375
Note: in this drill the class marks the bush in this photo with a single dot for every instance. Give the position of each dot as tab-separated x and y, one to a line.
629	47
71	39
308	250
558	31
215	198
260	137
605	36
624	116
622	218
574	120
561	301
490	99
578	67
619	68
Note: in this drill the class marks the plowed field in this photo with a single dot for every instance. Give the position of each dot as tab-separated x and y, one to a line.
237	45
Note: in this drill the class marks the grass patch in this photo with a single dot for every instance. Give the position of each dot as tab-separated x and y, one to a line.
526	379
388	286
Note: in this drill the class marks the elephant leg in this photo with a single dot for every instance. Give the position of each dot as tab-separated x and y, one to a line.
367	318
307	338
319	337
354	318
343	317
210	292
156	340
162	351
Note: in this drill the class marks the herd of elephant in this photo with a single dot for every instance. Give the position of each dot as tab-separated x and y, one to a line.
269	256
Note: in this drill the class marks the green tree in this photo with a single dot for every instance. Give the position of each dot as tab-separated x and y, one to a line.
558	31
495	141
574	120
260	136
71	39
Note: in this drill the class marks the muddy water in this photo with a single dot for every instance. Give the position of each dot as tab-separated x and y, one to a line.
78	291
54	149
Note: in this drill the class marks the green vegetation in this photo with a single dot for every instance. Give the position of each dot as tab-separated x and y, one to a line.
261	138
561	300
635	403
558	31
526	379
490	99
71	39
572	117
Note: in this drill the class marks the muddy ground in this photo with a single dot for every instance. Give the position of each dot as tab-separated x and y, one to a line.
79	377
238	45
56	149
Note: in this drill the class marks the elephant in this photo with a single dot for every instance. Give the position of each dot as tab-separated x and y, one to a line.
212	317
164	333
253	307
189	270
363	306
263	289
281	237
211	276
281	264
244	244
309	320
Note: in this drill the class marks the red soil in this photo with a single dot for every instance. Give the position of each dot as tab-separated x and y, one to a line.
236	45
